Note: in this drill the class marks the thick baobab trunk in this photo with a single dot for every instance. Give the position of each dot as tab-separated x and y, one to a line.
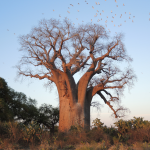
74	107
70	116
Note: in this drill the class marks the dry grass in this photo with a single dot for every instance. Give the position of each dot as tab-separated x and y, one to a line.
12	137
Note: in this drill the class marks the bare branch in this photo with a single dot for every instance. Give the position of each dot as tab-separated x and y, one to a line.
78	67
107	54
36	75
97	105
115	112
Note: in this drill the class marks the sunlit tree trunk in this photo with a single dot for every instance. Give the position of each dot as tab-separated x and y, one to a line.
74	102
73	115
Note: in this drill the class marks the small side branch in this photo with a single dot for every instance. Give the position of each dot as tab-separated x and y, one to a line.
108	103
29	74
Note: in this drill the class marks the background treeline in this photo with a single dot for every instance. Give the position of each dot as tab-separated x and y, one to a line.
16	106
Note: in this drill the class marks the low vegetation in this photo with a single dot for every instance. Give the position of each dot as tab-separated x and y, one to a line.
38	129
125	135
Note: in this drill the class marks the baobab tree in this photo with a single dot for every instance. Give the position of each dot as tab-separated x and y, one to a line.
60	50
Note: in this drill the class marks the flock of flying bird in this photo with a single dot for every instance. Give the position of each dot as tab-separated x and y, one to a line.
98	13
101	14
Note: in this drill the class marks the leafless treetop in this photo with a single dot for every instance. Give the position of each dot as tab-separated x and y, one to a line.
59	47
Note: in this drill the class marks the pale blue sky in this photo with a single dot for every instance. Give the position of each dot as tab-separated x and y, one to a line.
18	17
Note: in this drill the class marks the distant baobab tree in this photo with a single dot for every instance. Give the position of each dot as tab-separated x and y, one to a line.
59	50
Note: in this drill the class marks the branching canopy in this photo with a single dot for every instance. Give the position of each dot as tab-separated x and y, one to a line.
56	47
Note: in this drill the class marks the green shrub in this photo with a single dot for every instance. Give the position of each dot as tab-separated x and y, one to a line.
110	130
32	132
97	123
137	129
76	129
139	123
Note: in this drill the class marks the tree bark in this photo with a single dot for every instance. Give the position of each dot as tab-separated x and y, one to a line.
73	115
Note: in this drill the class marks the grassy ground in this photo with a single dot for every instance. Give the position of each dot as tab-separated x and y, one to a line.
14	136
85	146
